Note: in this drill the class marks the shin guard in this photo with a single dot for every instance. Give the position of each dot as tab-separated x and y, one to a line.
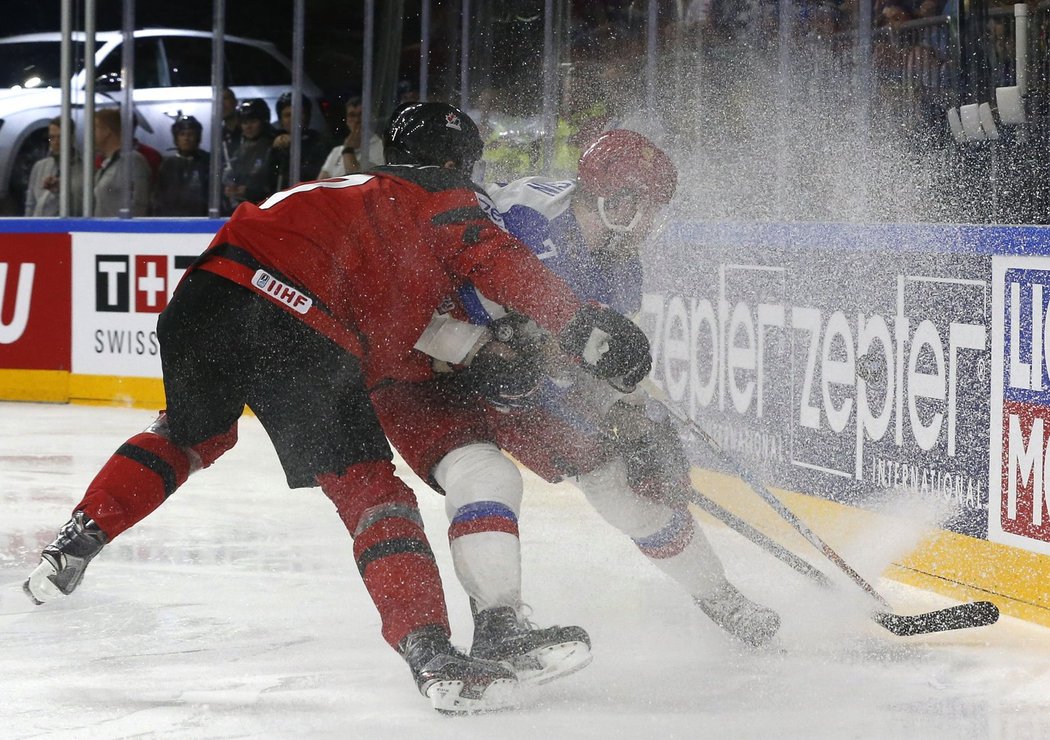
137	479
143	472
486	553
390	547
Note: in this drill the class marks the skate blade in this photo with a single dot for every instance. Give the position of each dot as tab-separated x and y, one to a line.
448	697
34	599
551	662
39	587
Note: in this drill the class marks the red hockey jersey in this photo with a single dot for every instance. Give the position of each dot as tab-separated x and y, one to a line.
365	259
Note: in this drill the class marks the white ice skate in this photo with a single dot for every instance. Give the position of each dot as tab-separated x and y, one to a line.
456	683
63	562
536	655
739	616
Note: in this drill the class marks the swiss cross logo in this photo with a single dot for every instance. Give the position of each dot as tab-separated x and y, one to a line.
151	283
452	121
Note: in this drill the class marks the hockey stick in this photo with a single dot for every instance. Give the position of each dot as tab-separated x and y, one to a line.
961	616
745	530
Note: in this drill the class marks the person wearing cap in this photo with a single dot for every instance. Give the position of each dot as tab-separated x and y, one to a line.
182	183
247	177
312	146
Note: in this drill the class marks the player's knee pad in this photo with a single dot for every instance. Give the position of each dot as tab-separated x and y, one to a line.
154	450
609	492
478	473
367	492
137	478
202	454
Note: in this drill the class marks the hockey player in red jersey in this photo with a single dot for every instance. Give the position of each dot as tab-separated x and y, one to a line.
292	304
633	470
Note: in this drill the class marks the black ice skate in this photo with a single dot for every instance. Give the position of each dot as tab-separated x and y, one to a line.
739	616
456	683
63	562
536	655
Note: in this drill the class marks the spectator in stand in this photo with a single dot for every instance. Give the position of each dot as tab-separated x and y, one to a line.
182	185
231	124
247	178
344	158
312	149
42	195
109	179
895	12
153	157
407	92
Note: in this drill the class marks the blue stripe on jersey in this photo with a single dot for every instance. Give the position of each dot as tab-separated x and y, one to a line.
476	313
480	509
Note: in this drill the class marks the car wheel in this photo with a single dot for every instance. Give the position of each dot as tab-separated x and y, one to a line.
33	149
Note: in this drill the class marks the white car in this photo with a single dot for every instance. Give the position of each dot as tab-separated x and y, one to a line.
172	77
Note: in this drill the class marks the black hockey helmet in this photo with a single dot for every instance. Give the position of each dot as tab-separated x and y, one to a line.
254	108
432	134
286	99
186	123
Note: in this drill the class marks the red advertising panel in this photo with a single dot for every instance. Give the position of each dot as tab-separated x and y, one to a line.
35	301
1023	509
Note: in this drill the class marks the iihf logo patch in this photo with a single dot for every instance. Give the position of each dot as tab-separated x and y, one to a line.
278	291
452	121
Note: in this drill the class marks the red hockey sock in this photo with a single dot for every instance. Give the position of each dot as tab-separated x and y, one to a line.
134	481
390	547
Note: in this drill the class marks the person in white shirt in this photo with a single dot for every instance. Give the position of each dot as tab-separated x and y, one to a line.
345	158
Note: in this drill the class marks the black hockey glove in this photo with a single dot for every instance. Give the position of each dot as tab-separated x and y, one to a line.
608	345
505	377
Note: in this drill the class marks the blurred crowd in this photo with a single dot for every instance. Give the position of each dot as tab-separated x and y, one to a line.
256	160
602	88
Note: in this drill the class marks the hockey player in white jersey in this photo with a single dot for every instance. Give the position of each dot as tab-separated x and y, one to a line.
500	395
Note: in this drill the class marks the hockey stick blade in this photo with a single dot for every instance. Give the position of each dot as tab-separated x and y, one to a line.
961	616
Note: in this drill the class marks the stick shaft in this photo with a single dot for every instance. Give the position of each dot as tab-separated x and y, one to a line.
776	504
745	530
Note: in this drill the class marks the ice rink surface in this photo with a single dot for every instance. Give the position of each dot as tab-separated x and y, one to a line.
236	611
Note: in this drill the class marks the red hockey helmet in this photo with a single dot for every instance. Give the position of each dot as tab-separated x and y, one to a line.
621	160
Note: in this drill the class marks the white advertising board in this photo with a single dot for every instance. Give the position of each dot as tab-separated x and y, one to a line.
121	283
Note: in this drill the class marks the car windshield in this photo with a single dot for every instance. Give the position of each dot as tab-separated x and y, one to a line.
34	64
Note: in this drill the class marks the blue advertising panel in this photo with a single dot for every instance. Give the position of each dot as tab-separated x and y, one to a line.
844	363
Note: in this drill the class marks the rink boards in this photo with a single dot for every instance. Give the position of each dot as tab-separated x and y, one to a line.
850	366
